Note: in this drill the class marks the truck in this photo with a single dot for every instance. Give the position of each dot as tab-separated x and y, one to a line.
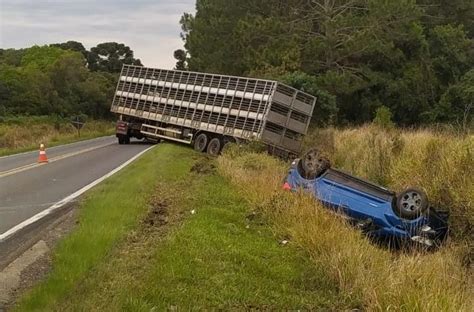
209	110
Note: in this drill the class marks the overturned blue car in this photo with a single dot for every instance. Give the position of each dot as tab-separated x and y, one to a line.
377	211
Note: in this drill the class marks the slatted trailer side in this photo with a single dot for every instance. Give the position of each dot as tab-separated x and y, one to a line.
185	106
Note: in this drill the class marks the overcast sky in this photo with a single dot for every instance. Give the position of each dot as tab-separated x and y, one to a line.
150	27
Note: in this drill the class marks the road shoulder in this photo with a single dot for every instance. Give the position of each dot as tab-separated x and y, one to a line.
33	265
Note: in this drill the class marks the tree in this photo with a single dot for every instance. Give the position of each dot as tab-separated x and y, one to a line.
110	57
210	37
443	12
70	45
49	80
96	93
181	57
11	56
361	52
457	103
41	57
452	53
326	108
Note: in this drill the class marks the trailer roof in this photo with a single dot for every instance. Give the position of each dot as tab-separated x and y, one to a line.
214	74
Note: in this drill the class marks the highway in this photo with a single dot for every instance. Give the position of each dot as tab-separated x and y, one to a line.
27	188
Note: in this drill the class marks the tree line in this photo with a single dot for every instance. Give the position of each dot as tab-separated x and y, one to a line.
412	57
61	79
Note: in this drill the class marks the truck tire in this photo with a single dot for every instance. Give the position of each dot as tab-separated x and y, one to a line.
214	147
200	143
312	164
411	203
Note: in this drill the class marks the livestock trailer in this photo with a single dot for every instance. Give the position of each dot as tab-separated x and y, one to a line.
208	110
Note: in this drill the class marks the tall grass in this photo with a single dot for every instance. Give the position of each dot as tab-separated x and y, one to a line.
26	133
442	163
375	277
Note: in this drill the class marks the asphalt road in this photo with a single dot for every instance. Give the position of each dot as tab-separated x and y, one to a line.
26	192
19	160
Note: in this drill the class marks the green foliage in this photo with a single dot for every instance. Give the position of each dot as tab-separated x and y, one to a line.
383	117
105	57
451	52
110	57
70	45
403	53
11	56
181	59
55	80
457	103
41	57
456	12
326	103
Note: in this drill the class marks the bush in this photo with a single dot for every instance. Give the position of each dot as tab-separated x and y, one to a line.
383	118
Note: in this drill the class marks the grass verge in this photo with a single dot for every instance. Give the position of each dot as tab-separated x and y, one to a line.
136	252
26	133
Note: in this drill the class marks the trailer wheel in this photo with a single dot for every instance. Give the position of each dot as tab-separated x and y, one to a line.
214	147
200	143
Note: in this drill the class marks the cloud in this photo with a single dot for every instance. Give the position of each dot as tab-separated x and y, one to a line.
150	28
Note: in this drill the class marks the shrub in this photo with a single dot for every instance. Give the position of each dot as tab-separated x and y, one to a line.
383	117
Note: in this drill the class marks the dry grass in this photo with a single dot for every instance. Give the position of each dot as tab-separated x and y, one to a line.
442	163
373	277
26	133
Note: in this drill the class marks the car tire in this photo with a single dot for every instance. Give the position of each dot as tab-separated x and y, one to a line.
313	164
214	147
411	203
200	143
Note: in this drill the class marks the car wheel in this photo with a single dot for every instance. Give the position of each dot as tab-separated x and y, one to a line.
313	164
214	147
411	203
200	143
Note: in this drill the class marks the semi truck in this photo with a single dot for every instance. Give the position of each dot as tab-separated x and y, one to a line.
209	110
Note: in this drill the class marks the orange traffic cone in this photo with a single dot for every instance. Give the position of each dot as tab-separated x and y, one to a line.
42	155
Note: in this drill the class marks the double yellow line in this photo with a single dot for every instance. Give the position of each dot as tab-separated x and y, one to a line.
34	165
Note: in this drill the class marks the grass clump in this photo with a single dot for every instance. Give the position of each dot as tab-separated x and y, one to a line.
21	134
375	277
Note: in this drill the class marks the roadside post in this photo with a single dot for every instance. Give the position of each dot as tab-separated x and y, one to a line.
78	122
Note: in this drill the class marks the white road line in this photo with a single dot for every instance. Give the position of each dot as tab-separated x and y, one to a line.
69	198
51	160
57	146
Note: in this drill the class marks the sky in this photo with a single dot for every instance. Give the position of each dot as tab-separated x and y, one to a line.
149	27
